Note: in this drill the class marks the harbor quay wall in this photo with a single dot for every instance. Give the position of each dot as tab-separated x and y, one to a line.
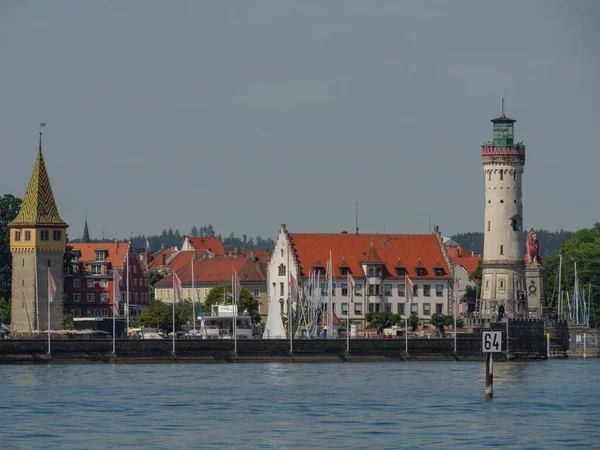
468	347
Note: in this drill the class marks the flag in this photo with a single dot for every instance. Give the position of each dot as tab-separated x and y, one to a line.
147	246
42	124
350	288
177	288
294	290
238	286
117	282
51	287
410	288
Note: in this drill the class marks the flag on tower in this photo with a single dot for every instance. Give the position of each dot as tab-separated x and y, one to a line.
177	288
410	289
293	290
117	290
350	288
51	287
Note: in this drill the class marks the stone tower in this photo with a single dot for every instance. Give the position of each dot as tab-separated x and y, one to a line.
37	243
503	277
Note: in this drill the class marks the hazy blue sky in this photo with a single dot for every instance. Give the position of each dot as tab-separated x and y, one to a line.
250	114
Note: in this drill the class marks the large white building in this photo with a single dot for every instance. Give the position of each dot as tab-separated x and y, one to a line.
377	262
503	266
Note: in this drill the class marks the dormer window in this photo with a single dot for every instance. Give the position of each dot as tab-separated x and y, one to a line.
371	272
439	272
401	271
100	255
421	272
344	269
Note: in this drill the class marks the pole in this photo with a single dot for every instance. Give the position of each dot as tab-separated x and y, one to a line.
49	326
584	345
127	283
173	322
560	308
37	297
548	345
457	284
233	288
113	308
195	293
291	320
489	376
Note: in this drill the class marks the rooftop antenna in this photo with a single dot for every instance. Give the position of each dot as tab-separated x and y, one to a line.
41	126
502	106
356	217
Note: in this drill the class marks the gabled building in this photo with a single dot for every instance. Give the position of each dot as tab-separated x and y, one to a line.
90	290
211	272
378	263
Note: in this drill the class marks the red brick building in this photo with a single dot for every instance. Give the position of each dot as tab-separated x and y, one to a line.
89	290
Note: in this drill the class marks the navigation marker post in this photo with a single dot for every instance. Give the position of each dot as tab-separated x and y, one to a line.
491	342
584	345
548	345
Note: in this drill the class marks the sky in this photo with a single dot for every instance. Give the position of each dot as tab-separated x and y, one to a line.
250	114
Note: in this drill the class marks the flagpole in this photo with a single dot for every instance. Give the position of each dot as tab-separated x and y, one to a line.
174	299
49	294
234	289
127	283
406	315
193	302
291	321
348	319
455	309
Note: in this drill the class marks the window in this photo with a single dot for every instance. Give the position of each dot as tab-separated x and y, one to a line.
371	272
416	290
358	308
135	298
421	272
205	292
76	283
414	308
256	292
344	309
427	290
281	288
501	285
56	235
49	264
17	235
358	289
76	298
103	298
501	175
282	253
489	176
502	249
344	270
100	255
27	236
439	290
333	289
387	290
439	272
91	312
96	269
371	289
439	308
401	290
77	312
135	282
344	290
104	283
333	307
401	308
387	307
90	283
91	298
134	269
44	235
427	309
377	307
371	307
489	225
281	270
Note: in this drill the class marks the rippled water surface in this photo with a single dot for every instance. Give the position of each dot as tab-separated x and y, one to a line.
550	404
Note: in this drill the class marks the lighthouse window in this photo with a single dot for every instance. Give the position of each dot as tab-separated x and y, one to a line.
17	236
501	175
501	201
27	235
489	176
502	249
489	225
44	235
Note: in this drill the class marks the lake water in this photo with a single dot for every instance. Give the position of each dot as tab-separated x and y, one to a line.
546	404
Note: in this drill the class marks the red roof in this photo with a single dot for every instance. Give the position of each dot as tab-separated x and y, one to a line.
469	260
88	252
218	271
157	258
212	244
356	248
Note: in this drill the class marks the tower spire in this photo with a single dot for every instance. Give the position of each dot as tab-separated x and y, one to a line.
502	107
86	232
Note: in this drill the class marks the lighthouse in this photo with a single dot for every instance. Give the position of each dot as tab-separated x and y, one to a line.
503	268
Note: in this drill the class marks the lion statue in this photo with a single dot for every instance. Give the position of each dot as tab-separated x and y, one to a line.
533	249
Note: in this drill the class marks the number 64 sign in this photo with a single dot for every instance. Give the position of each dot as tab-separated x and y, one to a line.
491	341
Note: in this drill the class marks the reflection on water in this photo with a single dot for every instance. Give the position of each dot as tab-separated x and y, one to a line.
550	404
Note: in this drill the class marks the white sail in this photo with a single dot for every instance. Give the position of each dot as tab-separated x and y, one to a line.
274	326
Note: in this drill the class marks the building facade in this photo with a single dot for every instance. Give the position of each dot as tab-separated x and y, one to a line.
503	267
38	238
378	263
90	289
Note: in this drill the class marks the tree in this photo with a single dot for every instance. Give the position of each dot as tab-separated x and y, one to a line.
156	275
413	322
381	320
159	315
194	231
68	323
584	249
9	208
441	321
5	311
247	301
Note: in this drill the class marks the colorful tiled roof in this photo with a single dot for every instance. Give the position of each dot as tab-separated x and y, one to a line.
39	207
212	244
356	249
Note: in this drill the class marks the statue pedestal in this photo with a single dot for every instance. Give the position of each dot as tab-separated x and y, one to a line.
536	289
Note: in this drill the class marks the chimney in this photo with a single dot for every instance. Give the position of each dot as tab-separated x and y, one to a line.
164	259
252	256
235	251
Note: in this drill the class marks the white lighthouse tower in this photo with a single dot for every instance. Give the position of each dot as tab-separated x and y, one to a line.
503	277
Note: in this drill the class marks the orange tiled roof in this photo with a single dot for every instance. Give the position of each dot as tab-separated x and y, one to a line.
218	271
88	252
469	260
212	244
355	248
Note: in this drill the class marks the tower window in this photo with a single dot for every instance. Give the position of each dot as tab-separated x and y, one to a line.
56	235
282	253
23	262
489	225
501	201
44	235
501	175
49	263
17	235
281	270
502	249
515	175
27	236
